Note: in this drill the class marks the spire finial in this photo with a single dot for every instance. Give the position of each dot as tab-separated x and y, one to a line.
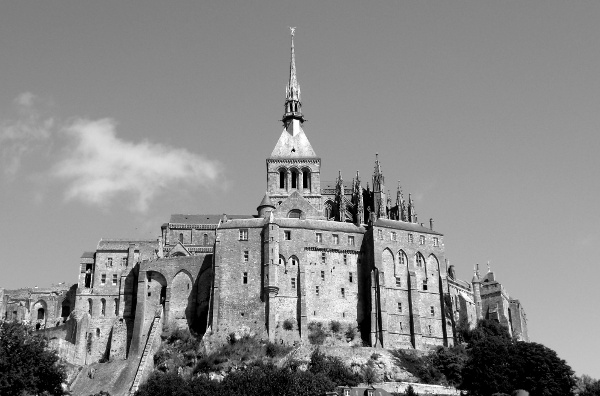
293	105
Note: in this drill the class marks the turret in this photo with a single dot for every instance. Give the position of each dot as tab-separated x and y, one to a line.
265	206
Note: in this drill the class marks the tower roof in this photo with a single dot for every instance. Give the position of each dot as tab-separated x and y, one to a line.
293	103
293	143
266	201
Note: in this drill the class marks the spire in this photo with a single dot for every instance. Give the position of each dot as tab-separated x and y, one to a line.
293	104
412	213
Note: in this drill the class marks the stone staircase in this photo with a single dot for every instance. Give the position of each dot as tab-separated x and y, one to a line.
139	375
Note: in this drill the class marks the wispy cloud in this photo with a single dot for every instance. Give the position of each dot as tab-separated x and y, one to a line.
99	166
96	166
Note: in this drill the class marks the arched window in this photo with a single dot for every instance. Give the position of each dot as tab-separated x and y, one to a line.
419	260
97	332
294	178
116	307
90	306
282	260
103	307
294	214
282	178
293	261
306	178
328	210
40	314
205	239
181	238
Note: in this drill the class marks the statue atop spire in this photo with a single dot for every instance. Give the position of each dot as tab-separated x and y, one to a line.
293	104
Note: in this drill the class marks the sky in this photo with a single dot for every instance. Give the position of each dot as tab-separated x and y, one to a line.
114	115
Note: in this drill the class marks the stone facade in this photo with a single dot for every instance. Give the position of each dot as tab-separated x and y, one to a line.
315	251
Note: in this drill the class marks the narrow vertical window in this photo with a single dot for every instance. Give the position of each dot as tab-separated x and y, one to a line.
345	259
246	256
109	264
380	234
350	277
424	284
114	280
245	278
90	304
124	262
181	238
287	235
343	292
393	236
336	239
205	239
293	283
419	260
323	257
421	239
318	237
399	307
351	240
103	279
432	310
294	179
323	275
243	234
103	307
317	290
410	238
398	282
116	307
436	241
282	178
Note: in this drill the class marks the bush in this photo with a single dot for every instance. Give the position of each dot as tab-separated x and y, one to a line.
314	325
421	367
288	324
178	334
317	336
273	350
375	356
410	391
335	326
333	368
351	332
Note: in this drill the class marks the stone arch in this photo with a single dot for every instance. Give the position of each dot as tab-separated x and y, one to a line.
294	262
155	293
295	214
283	263
433	263
306	178
203	291
182	301
39	311
387	260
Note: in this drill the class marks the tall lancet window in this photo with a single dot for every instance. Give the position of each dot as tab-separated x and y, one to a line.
294	179
282	178
306	178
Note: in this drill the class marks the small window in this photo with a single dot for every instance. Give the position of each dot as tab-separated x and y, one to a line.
345	259
294	260
343	292
103	307
432	310
421	239
322	275
281	261
109	264
346	392
181	238
350	240
419	260
380	234
350	277
336	239
399	307
424	284
317	290
246	256
103	279
401	258
205	239
393	236
116	307
398	282
114	280
124	261
282	178
319	237
323	257
90	306
40	314
410	238
243	234
245	279
436	241
287	235
293	283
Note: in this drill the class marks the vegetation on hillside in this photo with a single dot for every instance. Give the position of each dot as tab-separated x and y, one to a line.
27	367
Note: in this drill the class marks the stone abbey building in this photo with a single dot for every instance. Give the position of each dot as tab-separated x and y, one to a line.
313	251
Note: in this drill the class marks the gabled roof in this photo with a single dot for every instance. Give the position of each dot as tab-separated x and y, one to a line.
203	219
293	146
179	250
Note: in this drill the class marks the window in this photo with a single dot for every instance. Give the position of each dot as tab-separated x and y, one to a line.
399	307
393	236
293	283
294	179
380	234
116	307
402	257
317	290
421	239
245	279
109	263
246	256
305	178
124	261
103	279
343	292
205	239
336	239
103	307
90	306
432	310
345	259
346	392
294	260
114	281
350	240
436	241
181	238
410	238
424	284
350	277
419	260
243	234
282	178
398	282
281	260
287	235
319	237
323	257
322	275
40	314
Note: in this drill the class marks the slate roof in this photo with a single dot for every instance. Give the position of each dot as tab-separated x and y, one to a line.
203	218
403	225
88	255
296	146
122	244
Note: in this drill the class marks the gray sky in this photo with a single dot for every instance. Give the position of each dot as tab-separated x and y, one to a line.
113	115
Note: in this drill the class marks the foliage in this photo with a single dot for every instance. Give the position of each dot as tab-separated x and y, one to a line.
335	326
450	362
422	367
317	335
351	332
288	324
274	350
164	384
369	374
587	386
375	356
101	393
333	368
410	391
26	365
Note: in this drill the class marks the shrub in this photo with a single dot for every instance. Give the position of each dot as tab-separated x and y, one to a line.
273	350
369	375
314	325
410	391
335	326
288	324
178	334
375	356
351	332
317	336
333	368
421	367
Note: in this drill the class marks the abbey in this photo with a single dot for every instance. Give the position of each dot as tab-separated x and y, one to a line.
314	251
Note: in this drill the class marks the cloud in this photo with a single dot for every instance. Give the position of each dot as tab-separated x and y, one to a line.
24	135
98	166
93	164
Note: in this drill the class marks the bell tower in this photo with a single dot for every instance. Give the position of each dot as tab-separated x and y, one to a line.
293	165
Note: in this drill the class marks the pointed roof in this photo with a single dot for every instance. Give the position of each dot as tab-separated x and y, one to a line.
293	145
266	201
293	103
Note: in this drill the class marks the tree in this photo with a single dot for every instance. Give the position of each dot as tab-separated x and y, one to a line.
26	365
587	386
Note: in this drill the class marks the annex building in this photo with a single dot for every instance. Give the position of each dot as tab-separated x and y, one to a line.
314	251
